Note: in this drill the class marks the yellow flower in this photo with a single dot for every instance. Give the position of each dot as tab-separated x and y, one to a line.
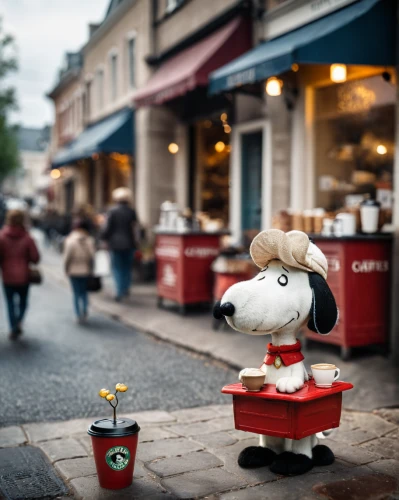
103	393
109	397
121	387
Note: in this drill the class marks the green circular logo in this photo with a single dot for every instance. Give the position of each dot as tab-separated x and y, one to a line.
118	457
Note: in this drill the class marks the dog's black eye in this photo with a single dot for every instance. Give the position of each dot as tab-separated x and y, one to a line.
283	280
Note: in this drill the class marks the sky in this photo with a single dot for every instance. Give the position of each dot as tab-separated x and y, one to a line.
44	30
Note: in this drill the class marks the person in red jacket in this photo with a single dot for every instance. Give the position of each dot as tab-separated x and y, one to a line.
17	251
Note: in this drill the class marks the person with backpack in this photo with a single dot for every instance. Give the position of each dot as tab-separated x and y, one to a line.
17	252
79	251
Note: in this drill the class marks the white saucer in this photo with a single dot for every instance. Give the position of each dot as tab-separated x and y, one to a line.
324	386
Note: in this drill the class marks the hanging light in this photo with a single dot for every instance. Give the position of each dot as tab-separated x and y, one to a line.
55	174
173	148
295	67
219	146
381	149
273	86
223	117
338	73
227	129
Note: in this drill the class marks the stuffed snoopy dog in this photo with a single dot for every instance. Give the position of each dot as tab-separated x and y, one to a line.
289	292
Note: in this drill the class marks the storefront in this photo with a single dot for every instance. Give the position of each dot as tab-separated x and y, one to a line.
340	128
98	161
197	152
332	71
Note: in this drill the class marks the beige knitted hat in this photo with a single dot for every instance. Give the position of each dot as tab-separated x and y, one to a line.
293	248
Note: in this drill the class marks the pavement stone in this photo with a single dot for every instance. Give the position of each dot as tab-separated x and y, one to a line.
55	430
240	435
371	426
371	487
76	467
215	439
85	441
12	436
151	417
154	433
229	456
389	467
293	488
166	448
185	463
202	483
88	488
390	414
62	449
385	447
198	428
351	453
189	415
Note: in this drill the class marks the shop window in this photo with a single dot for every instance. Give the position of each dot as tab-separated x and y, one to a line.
131	49
114	76
354	143
212	158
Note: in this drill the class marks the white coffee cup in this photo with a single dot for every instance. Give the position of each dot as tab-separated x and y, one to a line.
324	374
345	224
369	215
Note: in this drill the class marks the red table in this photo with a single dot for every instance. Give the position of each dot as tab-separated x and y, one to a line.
359	275
293	416
184	266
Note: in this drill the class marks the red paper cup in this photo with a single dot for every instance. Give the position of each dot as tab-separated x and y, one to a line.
114	449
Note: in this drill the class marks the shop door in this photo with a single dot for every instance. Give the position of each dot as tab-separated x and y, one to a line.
251	161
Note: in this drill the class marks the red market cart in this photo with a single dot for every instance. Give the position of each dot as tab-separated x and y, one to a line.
293	416
184	272
359	275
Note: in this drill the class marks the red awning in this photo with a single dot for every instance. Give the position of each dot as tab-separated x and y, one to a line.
190	68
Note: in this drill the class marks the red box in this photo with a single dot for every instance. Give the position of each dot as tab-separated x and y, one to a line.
359	275
184	261
293	416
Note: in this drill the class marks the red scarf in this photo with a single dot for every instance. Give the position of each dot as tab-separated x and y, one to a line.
289	354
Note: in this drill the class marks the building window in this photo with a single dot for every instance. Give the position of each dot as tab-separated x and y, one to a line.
131	58
100	89
114	76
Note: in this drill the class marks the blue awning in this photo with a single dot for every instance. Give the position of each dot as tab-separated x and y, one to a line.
362	33
114	134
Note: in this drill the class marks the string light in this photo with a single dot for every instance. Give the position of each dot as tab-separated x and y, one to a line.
219	146
381	149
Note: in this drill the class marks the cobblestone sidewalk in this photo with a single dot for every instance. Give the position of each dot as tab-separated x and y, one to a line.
192	453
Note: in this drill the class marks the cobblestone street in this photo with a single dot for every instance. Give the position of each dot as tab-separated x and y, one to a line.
193	453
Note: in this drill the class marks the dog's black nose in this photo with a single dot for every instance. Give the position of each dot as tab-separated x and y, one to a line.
227	309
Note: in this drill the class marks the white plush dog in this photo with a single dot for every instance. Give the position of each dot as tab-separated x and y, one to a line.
289	292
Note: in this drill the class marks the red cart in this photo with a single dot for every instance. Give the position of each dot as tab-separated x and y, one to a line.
184	272
359	275
293	416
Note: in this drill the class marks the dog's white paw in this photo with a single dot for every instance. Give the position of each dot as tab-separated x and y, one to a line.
289	384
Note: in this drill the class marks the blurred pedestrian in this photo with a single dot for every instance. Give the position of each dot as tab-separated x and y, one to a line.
17	251
79	252
121	234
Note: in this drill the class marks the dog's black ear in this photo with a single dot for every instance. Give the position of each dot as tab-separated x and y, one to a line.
323	312
217	313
